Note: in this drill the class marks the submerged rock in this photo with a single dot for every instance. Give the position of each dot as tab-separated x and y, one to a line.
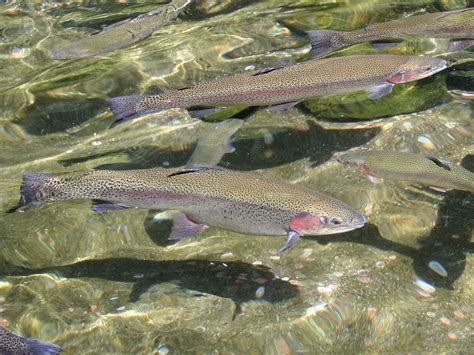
406	98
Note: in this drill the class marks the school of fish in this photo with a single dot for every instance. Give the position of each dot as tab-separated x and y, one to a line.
207	195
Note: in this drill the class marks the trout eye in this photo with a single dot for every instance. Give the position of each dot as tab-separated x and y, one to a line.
336	221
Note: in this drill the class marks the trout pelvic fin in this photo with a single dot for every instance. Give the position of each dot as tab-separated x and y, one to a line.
322	42
99	206
183	227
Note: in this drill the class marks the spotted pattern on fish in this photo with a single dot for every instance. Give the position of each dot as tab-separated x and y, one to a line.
122	33
449	24
287	84
445	24
12	343
232	200
417	168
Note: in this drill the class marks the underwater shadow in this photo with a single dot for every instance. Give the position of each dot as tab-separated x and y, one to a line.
316	143
222	279
454	219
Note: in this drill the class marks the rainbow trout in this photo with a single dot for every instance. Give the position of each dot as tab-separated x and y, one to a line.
123	33
232	200
285	86
417	168
214	144
457	24
17	345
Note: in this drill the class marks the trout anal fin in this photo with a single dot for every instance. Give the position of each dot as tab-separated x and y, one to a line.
100	206
292	238
183	227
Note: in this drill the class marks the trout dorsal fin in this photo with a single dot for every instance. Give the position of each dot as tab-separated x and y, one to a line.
268	70
441	163
196	169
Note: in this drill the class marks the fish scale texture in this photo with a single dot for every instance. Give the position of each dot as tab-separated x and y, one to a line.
11	343
413	167
293	83
441	23
222	198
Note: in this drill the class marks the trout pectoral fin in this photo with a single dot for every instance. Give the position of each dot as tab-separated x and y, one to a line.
374	179
183	227
292	238
380	91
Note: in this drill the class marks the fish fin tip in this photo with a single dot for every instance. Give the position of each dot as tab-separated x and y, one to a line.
441	163
183	227
100	206
374	179
32	182
36	346
194	169
229	147
268	70
321	42
292	239
283	106
383	45
380	91
199	113
439	189
123	107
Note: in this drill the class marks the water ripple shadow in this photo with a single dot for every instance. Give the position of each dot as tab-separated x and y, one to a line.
211	277
454	219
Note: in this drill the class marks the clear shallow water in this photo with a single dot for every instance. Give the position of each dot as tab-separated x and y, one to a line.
113	282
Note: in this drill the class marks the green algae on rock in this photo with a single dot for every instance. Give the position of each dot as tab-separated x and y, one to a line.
406	98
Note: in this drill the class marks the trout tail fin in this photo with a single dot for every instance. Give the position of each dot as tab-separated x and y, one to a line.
42	347
323	42
124	107
32	183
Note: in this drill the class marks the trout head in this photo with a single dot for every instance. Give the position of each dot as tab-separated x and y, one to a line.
334	221
417	68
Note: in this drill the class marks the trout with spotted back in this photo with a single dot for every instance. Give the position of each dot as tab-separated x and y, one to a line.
287	85
457	24
123	33
227	199
418	168
12	344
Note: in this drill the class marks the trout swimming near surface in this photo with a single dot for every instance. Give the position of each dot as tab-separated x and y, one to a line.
12	344
422	169
214	144
241	202
123	33
457	24
283	87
